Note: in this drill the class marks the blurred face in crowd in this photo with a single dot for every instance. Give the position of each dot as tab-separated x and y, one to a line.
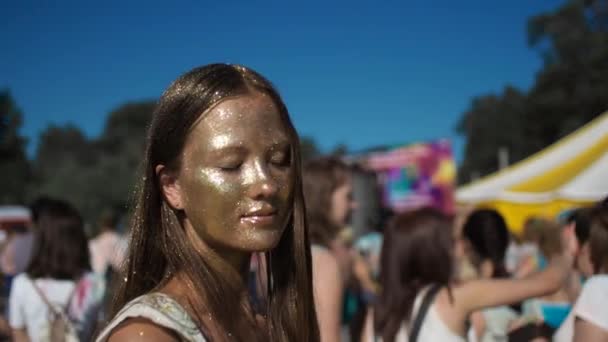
342	203
236	180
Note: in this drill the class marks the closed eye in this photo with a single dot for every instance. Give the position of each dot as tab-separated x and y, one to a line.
230	168
230	165
281	158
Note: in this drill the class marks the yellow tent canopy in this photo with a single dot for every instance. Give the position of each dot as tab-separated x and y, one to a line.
570	173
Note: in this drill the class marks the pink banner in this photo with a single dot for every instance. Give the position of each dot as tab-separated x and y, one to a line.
417	175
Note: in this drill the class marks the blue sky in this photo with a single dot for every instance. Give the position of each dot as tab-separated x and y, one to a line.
360	73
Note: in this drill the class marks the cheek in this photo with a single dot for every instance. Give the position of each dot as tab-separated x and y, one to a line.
210	194
284	180
341	205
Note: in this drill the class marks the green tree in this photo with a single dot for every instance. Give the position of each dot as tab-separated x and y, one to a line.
569	90
492	122
94	174
308	149
339	150
14	166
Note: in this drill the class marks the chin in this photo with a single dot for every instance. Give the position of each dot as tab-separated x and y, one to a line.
260	241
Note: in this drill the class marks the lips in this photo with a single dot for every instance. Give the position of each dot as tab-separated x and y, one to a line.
262	216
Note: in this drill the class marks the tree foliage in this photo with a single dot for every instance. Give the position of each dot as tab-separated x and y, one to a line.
308	149
570	90
94	174
14	166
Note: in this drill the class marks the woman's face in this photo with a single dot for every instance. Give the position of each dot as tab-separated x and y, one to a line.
341	203
237	175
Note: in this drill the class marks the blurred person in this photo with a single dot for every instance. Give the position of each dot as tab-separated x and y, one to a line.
553	308
366	269
328	198
588	319
580	220
464	268
221	180
108	247
57	284
519	251
369	245
17	252
107	251
417	275
486	239
549	243
532	258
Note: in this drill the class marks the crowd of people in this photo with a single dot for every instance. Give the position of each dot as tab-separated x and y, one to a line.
482	282
54	277
232	238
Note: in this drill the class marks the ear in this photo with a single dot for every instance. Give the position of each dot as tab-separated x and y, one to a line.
169	185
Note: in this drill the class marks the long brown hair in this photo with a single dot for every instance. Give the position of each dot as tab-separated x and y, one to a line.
416	252
61	249
322	177
487	233
159	246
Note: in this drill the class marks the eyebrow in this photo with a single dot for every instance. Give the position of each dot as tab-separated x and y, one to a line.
234	149
223	144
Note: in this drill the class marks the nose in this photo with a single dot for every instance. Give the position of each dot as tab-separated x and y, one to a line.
261	183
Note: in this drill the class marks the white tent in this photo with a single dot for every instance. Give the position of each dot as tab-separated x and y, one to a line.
569	173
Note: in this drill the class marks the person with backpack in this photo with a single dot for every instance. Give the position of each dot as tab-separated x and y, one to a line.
57	298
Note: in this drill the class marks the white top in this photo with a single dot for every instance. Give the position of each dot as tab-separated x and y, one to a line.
433	328
28	310
107	250
498	320
162	310
591	306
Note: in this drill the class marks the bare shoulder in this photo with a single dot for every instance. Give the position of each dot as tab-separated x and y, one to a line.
141	329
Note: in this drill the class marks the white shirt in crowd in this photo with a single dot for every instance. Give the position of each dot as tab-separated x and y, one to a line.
432	328
591	305
28	310
107	250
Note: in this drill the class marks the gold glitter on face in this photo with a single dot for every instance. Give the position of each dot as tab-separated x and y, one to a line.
237	175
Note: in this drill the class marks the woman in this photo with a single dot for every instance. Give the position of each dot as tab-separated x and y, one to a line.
417	261
220	181
58	285
107	248
328	195
588	319
486	238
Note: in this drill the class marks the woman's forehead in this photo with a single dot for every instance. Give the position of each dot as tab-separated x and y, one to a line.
241	120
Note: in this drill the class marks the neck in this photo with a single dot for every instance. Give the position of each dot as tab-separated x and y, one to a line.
234	268
234	263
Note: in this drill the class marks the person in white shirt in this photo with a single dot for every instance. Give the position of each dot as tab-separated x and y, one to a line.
108	247
588	320
58	280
